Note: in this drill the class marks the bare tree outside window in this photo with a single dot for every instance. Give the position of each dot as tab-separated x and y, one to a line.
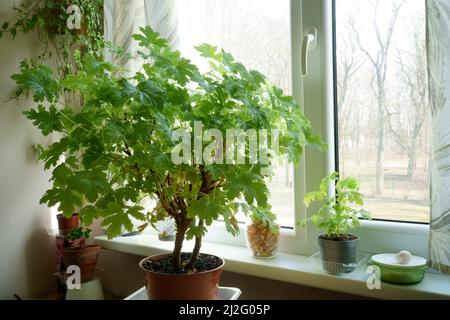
383	104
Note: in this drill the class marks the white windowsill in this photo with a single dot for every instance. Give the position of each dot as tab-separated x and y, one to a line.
288	268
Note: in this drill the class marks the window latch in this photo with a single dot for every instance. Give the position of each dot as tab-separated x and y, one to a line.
309	42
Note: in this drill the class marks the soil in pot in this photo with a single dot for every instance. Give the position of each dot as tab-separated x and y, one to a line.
338	237
66	225
204	262
86	258
200	283
338	253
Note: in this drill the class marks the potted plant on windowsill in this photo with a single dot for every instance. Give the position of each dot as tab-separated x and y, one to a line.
148	137
262	233
337	216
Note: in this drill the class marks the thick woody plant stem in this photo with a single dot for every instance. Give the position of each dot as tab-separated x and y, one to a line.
196	251
179	238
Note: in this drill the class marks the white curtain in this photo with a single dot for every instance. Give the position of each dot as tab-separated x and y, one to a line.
438	52
124	17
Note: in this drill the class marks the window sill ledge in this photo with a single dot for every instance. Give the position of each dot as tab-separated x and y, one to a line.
288	268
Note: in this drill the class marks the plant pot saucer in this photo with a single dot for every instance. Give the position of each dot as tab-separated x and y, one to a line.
224	293
340	268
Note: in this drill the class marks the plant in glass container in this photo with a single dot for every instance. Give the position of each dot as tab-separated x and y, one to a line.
166	230
337	215
148	137
262	232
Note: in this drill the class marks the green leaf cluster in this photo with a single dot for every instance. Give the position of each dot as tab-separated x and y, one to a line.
48	20
79	233
117	145
264	215
338	213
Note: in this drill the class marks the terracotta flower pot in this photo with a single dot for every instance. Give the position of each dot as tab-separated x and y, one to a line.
194	286
66	225
86	258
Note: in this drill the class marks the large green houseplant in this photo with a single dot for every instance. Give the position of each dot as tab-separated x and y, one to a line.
340	212
119	145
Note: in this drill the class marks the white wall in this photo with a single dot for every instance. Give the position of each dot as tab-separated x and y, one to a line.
27	253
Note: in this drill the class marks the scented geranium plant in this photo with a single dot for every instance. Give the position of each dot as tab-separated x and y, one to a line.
119	146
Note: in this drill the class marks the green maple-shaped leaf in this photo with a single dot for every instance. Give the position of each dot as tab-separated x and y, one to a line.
208	51
89	183
149	38
68	200
52	154
251	185
207	208
114	218
88	214
136	212
195	231
37	79
61	174
46	120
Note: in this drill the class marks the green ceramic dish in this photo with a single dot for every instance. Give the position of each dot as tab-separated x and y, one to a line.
393	272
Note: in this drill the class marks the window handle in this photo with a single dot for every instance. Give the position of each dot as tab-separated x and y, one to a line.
309	42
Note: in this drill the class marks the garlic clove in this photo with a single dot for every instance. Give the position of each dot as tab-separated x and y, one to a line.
403	257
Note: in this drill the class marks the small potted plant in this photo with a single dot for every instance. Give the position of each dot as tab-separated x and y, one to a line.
76	252
67	224
337	215
262	232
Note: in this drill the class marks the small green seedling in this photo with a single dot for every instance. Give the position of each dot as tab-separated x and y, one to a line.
338	213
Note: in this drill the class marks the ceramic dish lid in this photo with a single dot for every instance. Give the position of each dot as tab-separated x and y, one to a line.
390	260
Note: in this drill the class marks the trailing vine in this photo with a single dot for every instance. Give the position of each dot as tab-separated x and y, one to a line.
48	20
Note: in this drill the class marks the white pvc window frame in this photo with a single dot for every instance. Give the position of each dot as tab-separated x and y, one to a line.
318	99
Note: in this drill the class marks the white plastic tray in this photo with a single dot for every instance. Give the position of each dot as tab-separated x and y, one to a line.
225	293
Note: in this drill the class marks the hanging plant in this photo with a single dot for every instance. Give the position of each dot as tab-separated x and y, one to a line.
49	20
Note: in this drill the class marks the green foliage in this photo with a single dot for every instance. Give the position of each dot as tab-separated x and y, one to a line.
48	19
38	79
46	120
263	214
79	233
117	145
337	215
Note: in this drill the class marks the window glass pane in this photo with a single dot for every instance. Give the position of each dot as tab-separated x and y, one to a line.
383	110
256	33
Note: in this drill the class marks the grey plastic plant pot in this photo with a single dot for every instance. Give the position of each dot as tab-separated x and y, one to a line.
338	257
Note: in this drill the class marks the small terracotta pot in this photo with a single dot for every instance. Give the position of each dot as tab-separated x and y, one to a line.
66	225
86	258
195	286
